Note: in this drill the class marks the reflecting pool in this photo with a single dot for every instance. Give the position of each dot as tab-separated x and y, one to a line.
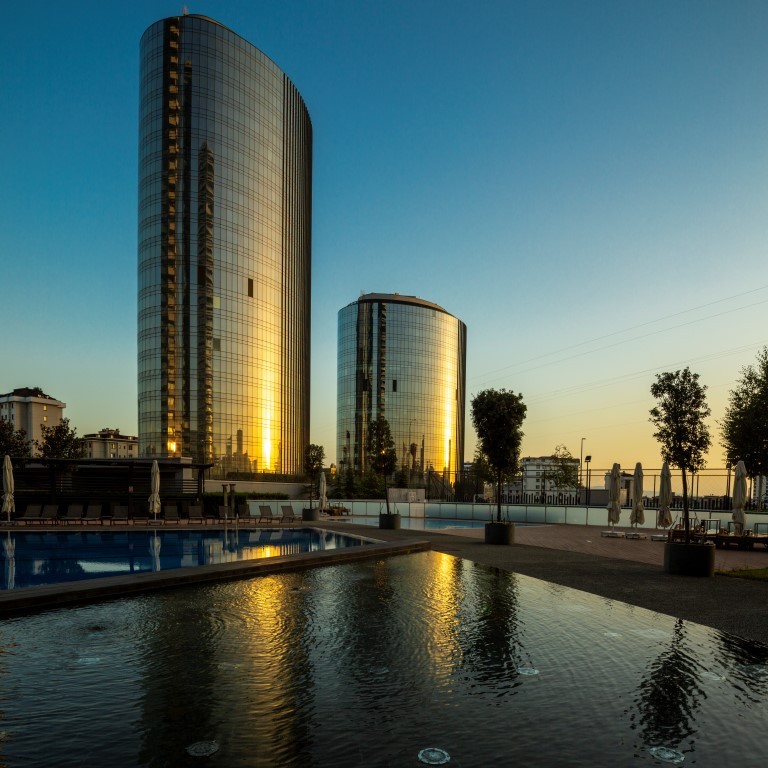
374	664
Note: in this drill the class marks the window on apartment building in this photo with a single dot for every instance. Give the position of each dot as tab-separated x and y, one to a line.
394	385
250	287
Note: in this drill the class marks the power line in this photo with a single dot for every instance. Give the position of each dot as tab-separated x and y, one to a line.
629	341
626	377
628	330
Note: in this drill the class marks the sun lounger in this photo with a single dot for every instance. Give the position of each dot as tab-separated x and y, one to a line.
93	514
289	516
612	534
120	514
761	533
195	513
50	513
31	514
73	514
170	514
226	513
265	514
244	513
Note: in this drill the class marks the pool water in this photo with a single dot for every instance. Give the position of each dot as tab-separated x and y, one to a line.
34	559
373	664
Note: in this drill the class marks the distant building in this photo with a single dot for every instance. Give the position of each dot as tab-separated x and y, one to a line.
542	478
760	486
402	358
29	408
110	444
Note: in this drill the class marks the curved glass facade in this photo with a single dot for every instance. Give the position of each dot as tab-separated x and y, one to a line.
405	359
225	193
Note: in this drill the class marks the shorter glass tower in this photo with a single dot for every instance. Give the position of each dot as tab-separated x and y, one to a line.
405	359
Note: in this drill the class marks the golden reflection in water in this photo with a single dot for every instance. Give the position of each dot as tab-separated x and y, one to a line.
271	613
444	591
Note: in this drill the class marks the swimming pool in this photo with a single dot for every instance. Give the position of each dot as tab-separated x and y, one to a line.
372	664
35	559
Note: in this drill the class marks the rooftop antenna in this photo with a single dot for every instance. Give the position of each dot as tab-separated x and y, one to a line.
184	10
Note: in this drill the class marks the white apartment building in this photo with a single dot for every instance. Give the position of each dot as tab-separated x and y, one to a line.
540	476
29	408
538	481
110	444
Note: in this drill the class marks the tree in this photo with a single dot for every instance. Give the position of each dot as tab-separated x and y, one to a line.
565	472
497	416
61	442
13	442
744	427
681	430
381	451
314	455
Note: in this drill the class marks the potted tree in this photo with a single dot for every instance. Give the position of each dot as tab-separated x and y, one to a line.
383	458
314	456
684	438
497	416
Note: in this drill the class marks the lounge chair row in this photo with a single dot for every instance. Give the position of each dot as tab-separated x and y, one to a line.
92	513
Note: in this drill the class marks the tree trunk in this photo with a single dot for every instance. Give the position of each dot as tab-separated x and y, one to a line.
498	498
686	517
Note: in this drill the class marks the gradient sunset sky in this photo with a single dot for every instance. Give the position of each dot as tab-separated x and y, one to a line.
584	184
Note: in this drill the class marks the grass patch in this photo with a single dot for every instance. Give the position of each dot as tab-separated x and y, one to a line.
756	574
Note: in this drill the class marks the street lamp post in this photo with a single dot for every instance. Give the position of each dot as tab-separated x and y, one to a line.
581	464
587	459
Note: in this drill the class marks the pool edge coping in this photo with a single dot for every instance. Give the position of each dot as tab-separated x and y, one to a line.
72	593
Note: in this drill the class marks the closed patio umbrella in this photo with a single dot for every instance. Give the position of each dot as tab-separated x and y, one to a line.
665	497
8	503
638	510
614	494
739	497
154	497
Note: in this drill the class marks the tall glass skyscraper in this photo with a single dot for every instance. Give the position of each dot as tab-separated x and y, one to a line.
225	196
405	359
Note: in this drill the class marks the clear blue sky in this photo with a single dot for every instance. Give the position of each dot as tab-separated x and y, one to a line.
584	184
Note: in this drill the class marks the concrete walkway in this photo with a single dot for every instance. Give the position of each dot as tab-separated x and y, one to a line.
618	569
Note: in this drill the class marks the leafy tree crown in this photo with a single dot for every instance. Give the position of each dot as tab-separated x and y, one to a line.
744	427
381	447
497	416
314	456
679	418
60	442
14	442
